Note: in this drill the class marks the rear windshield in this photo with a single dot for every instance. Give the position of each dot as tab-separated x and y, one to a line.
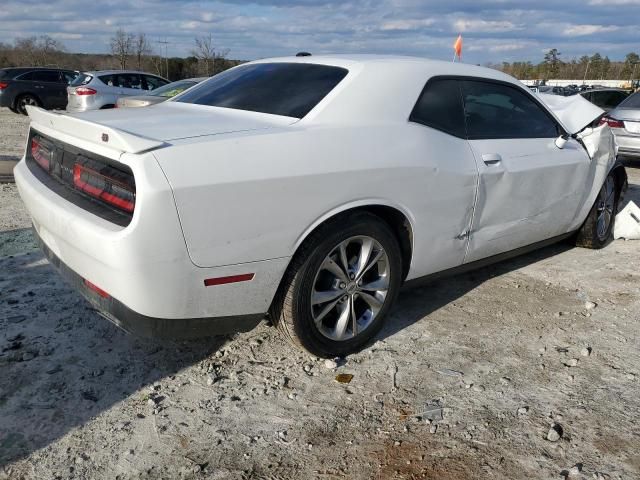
81	79
631	102
288	89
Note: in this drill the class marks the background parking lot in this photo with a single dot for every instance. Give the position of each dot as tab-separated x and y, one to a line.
465	381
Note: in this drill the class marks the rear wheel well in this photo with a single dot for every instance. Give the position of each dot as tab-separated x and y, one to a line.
396	220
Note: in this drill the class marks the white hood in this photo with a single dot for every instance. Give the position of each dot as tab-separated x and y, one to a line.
574	112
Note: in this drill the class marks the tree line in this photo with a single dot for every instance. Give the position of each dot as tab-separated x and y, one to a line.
594	67
127	51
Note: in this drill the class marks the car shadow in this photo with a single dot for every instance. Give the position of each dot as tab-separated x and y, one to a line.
61	364
417	302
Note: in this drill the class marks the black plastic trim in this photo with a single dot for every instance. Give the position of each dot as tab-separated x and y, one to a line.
151	327
467	267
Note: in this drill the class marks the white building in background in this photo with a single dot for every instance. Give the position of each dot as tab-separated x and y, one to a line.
564	83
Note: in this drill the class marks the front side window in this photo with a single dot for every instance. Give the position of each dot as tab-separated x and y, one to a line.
172	89
495	111
440	107
289	89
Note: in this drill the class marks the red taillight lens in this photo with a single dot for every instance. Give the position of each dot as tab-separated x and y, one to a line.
612	122
40	153
85	91
3	85
104	188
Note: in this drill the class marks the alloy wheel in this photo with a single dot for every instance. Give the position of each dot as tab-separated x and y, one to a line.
350	288
604	208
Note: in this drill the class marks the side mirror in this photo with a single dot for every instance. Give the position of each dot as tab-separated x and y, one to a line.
561	141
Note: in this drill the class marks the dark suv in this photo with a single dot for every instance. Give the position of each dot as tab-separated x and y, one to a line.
43	87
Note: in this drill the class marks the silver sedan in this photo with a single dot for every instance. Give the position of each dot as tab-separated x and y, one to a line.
624	121
159	94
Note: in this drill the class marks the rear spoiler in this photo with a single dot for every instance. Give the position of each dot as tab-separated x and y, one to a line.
105	137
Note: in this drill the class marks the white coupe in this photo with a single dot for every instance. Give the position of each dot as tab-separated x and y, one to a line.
309	190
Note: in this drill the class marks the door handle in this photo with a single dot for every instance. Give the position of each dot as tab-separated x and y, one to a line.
491	158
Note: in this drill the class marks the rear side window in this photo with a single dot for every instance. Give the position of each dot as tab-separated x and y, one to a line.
498	111
440	107
289	89
41	76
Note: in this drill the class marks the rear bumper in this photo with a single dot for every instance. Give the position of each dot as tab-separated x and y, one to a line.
142	325
153	287
628	145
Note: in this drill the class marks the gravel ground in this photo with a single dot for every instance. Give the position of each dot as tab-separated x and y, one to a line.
527	369
12	141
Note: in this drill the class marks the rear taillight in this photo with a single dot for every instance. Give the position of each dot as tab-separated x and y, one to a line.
612	122
41	153
85	91
105	188
3	85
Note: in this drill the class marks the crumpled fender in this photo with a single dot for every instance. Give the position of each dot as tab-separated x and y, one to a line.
601	147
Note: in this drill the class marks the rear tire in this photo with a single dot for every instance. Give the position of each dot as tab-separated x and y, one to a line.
340	285
24	100
597	230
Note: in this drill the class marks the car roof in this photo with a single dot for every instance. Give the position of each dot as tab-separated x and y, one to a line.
351	60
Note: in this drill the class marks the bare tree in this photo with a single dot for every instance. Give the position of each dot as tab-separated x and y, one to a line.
38	51
122	47
206	53
142	48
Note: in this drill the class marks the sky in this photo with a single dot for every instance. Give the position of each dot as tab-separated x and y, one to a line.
493	30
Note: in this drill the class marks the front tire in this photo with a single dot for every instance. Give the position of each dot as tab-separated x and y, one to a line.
597	230
340	286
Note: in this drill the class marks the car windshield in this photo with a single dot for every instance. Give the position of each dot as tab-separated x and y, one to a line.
81	79
288	89
172	89
631	102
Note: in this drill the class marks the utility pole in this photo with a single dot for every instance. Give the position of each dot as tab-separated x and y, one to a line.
166	54
584	79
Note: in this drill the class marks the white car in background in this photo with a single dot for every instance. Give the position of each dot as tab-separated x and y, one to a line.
310	189
102	89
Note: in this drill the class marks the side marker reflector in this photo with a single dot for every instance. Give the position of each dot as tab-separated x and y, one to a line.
96	289
211	282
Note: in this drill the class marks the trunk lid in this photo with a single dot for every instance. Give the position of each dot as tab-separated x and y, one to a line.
140	129
169	121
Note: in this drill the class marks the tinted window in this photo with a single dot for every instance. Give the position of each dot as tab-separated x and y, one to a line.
440	107
607	99
631	102
499	111
69	77
42	76
151	83
289	89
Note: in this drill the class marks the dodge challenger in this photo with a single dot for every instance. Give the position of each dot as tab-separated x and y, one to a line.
308	190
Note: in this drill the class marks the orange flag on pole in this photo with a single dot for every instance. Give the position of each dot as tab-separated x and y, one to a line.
457	48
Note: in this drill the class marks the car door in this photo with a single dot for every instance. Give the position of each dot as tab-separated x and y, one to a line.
47	84
445	205
529	190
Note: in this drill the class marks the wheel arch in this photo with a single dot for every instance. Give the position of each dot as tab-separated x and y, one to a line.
397	217
620	175
22	94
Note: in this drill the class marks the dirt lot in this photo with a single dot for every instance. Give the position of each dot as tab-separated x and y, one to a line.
465	382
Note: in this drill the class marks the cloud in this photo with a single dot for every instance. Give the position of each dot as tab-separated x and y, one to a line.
493	30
